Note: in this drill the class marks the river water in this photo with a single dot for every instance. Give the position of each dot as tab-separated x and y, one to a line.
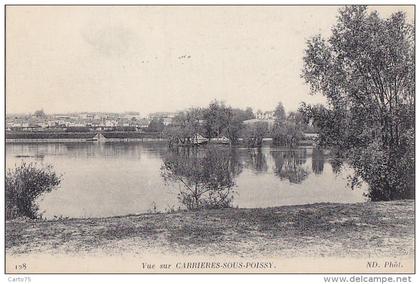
112	179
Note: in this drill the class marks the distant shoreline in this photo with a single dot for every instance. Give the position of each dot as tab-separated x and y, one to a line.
17	137
128	140
79	140
79	137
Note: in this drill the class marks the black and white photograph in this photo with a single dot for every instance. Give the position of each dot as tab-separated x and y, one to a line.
209	139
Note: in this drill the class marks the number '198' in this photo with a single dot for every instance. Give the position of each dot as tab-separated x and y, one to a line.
22	266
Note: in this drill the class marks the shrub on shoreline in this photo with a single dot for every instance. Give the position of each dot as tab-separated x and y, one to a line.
24	185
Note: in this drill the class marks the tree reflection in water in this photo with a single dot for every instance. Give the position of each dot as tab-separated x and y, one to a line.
289	165
336	163
318	161
206	175
257	161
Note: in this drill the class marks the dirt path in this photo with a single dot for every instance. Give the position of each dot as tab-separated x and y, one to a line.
364	229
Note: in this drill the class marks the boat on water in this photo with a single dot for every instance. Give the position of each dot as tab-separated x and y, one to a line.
195	140
99	137
220	140
199	140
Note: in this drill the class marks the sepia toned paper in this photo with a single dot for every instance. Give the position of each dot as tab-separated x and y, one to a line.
119	211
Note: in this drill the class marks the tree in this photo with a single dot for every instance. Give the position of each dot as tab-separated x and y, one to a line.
280	114
40	114
287	130
216	119
235	119
24	185
184	127
287	134
366	71
249	113
297	118
156	125
206	176
254	133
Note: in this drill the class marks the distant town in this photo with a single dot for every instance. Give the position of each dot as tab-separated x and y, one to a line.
84	121
217	124
102	121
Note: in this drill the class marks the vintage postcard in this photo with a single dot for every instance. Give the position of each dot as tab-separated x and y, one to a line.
209	139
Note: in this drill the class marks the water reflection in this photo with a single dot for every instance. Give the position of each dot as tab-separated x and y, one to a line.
126	150
318	160
109	179
336	164
289	165
206	175
257	161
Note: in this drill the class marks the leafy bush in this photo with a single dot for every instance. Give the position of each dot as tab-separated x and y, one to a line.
24	185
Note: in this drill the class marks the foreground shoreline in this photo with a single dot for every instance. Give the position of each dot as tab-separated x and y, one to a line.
381	229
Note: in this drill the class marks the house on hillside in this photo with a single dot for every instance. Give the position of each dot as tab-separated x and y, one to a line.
167	117
270	122
267	115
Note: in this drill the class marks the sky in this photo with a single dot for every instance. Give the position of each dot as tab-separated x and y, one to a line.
150	58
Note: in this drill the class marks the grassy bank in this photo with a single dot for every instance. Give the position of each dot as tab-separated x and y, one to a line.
364	229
